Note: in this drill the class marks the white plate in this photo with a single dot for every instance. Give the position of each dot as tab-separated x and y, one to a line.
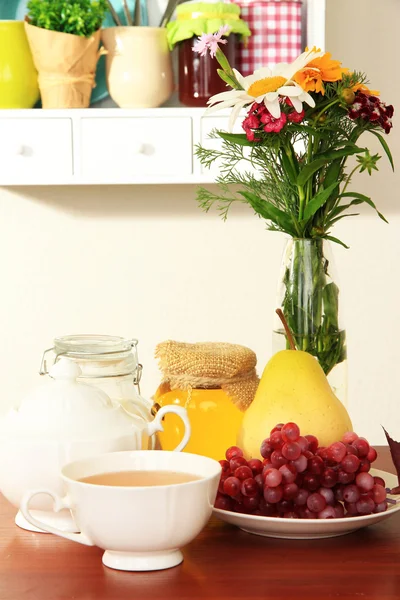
309	529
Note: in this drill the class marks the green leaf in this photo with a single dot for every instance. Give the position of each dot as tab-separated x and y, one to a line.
306	128
333	172
226	78
365	199
294	159
347	150
339	209
309	170
319	200
270	212
80	17
330	295
368	162
236	138
333	221
336	240
287	166
223	62
385	147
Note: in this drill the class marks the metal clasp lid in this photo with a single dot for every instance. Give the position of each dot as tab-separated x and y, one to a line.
133	343
43	365
139	367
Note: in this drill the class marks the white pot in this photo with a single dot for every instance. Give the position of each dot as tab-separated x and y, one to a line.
61	422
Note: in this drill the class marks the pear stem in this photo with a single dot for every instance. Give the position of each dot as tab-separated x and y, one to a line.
286	326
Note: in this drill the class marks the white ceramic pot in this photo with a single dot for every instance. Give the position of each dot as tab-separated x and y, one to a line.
61	422
141	528
138	66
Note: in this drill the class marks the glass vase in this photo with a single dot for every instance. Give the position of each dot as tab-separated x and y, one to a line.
308	295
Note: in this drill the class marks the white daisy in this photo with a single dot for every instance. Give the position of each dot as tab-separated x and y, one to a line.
266	85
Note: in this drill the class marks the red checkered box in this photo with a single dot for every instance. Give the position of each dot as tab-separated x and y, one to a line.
275	26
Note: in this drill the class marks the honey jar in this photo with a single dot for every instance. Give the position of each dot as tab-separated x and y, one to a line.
215	382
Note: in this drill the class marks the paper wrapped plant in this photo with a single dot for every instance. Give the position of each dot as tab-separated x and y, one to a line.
64	38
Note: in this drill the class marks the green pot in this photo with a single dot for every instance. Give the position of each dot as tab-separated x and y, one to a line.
18	76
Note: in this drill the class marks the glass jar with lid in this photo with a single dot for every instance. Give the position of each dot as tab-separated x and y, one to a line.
198	75
107	362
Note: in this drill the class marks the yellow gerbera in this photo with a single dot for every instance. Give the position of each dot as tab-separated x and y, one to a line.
312	77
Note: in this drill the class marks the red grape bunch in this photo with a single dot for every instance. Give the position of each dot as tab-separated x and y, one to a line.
297	479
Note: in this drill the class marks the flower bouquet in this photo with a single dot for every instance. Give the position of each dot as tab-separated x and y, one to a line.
304	122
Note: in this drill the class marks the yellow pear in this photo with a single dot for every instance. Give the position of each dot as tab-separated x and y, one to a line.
293	388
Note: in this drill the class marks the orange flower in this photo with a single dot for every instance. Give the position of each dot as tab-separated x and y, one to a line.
321	69
360	87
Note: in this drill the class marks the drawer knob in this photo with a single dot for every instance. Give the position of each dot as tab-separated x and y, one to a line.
138	148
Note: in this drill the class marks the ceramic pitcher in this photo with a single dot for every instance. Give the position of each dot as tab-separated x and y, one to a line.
138	66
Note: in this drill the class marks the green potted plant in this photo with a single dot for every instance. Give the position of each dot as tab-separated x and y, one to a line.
64	38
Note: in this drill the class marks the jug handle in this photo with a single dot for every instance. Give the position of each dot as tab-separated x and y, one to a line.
156	424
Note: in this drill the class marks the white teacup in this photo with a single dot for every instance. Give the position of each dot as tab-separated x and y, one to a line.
140	528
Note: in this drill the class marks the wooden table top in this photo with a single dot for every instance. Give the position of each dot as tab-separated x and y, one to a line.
222	563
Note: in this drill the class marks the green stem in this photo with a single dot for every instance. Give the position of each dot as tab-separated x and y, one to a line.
309	187
226	67
348	179
302	199
337	101
302	196
310	304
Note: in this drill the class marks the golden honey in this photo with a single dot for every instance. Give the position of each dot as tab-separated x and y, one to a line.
215	420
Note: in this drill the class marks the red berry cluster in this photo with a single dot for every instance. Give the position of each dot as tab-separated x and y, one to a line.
259	119
297	479
371	108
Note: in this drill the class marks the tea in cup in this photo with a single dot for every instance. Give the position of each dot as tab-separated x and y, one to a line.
141	507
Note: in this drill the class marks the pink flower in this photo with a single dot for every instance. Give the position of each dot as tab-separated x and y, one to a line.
251	136
259	118
202	44
296	117
210	41
258	108
273	125
222	31
251	122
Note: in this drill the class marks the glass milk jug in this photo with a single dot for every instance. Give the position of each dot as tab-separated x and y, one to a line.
107	362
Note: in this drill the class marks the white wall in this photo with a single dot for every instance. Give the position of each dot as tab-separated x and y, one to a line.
146	262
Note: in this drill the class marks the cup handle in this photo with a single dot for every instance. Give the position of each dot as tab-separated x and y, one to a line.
156	424
58	504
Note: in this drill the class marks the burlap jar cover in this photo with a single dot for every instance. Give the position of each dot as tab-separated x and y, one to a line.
210	365
66	65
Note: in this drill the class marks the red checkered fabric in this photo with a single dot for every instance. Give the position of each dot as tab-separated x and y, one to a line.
275	26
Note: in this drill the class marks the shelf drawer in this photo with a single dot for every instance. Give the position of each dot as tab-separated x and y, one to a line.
35	148
128	148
